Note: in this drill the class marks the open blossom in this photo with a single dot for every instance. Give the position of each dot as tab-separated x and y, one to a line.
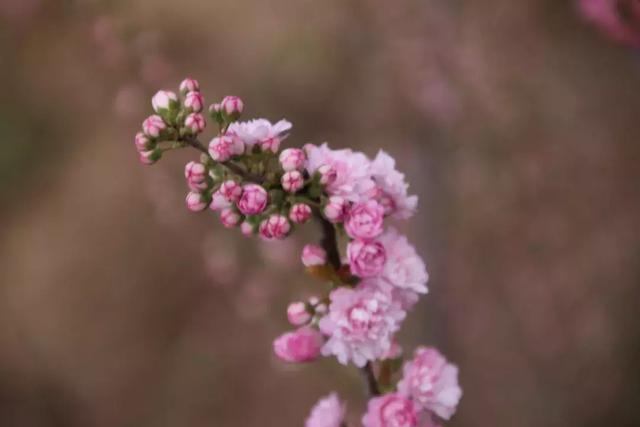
292	159
328	412
221	148
431	382
194	101
231	190
258	130
300	213
336	209
292	181
392	187
313	255
391	410
360	323
301	345
163	100
364	220
253	200
366	258
352	179
196	202
229	217
403	269
153	126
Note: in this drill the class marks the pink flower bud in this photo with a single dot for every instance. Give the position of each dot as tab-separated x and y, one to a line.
313	255
189	85
149	157
292	159
297	314
153	126
195	122
231	190
196	174
302	345
275	227
164	100
300	213
143	143
229	217
270	144
218	202
221	148
321	308
194	101
328	174
292	181
215	108
232	106
247	228
336	209
253	200
366	259
364	220
196	202
392	409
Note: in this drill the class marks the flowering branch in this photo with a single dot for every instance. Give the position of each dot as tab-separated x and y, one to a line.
244	176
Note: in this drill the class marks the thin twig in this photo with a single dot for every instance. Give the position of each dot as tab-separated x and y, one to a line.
370	378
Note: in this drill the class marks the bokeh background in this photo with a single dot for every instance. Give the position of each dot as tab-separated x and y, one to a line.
517	124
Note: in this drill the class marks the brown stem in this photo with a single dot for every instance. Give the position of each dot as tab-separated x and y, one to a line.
370	378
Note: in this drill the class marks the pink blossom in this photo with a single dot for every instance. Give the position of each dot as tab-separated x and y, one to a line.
313	255
232	106
229	217
328	174
431	382
247	228
403	269
196	174
390	410
149	157
301	345
394	351
352	179
364	220
253	200
270	144
196	202
218	202
328	412
189	85
143	143
231	190
392	187
194	101
360	323
164	100
195	122
221	148
618	19
300	213
292	159
297	313
336	209
258	130
292	181
237	148
275	227
366	258
153	126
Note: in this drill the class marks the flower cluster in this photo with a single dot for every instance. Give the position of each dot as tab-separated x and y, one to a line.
251	183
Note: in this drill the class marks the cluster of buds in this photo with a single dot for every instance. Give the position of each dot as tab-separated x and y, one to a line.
244	176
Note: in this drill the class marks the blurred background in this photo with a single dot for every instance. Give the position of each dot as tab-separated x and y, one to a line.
517	124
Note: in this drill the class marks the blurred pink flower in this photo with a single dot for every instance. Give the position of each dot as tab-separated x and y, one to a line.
301	345
328	412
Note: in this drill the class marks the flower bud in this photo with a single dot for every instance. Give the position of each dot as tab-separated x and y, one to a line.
270	144
153	126
163	101
302	345
231	190
300	213
253	200
321	308
143	143
232	106
292	181
297	313
247	228
197	176
275	227
195	123
313	255
229	217
189	85
328	174
149	157
196	202
194	102
292	159
218	202
221	148
336	209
